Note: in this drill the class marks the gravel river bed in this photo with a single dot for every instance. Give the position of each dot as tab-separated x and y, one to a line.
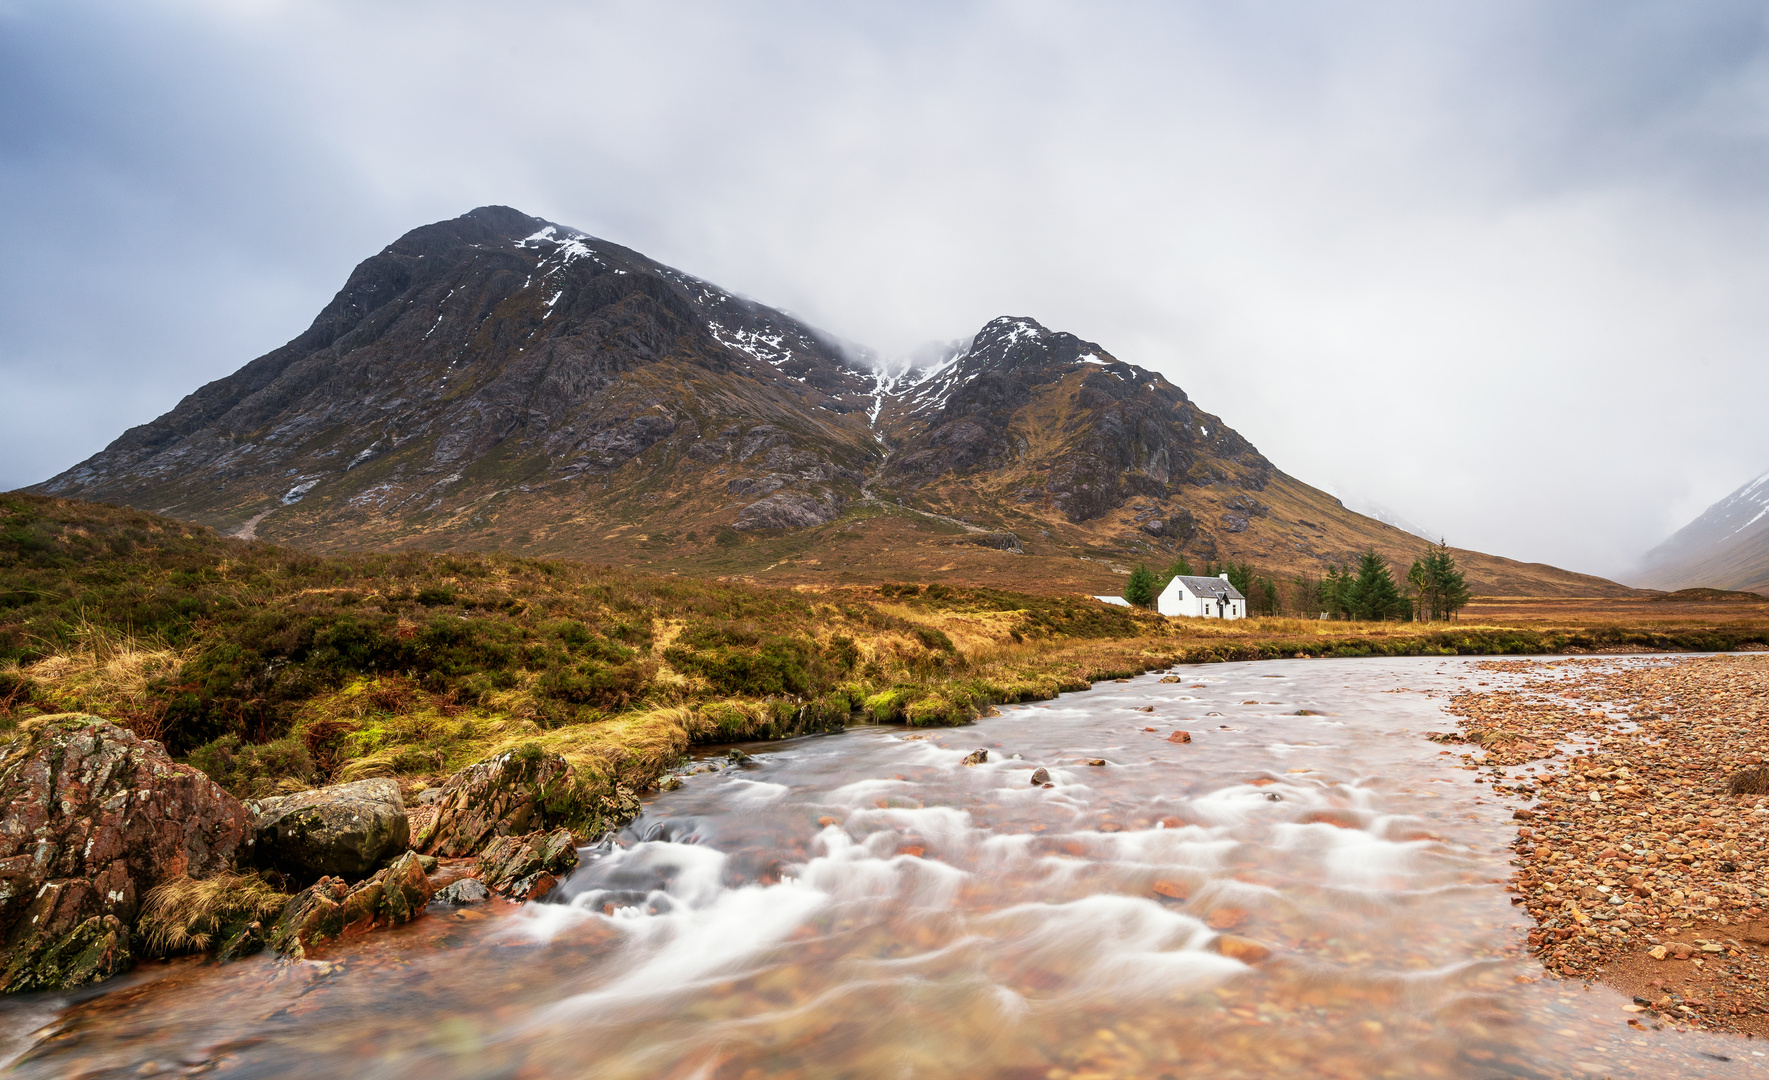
1306	887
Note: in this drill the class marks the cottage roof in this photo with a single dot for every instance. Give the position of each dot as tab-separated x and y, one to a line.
1210	588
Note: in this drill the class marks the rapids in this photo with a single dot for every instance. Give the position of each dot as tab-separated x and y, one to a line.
865	905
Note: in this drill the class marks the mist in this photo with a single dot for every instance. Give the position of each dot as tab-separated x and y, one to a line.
1494	267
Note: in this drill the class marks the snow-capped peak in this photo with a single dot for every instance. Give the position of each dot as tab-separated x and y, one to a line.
568	246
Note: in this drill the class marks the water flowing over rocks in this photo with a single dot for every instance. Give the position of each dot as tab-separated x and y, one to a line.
94	817
1307	889
341	831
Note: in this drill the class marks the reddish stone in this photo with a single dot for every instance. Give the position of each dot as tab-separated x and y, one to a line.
93	817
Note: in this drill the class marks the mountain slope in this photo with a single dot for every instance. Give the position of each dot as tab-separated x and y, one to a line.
1727	547
499	381
490	356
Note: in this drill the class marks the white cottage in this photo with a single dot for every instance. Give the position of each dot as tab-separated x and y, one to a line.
1202	597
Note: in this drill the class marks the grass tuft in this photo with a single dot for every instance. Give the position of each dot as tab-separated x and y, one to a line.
186	914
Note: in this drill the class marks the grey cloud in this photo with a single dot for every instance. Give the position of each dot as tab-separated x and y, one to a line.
1497	266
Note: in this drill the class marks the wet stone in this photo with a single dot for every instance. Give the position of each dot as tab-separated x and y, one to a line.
518	866
95	816
342	831
463	892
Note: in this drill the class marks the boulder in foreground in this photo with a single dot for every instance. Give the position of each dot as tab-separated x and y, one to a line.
516	793
342	831
94	816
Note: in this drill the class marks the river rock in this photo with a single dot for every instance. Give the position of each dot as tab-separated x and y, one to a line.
94	816
463	892
1040	776
527	867
1246	950
510	794
976	757
341	831
332	908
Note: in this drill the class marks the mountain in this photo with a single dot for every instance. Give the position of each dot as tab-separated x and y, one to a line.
500	381
1727	547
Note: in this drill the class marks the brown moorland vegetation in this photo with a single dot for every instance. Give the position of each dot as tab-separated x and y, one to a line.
274	669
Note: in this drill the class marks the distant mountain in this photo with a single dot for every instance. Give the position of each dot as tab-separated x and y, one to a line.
500	381
1727	547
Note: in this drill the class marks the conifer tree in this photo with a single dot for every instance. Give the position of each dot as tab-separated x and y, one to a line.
1335	585
1441	589
1240	575
1372	594
1140	589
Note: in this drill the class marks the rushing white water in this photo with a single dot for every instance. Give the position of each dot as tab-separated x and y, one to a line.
1306	888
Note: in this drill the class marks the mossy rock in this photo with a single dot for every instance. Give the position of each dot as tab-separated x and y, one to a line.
341	831
91	952
518	792
941	708
511	865
889	706
95	816
332	909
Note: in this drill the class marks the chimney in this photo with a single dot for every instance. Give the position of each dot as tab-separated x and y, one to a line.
1224	577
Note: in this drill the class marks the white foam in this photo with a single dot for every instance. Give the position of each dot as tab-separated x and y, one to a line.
751	792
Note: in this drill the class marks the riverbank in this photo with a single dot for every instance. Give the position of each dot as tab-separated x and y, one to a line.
1295	890
1641	856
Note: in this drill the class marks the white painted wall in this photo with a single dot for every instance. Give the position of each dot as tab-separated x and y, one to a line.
1177	600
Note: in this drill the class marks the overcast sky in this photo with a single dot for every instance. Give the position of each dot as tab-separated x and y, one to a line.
1499	268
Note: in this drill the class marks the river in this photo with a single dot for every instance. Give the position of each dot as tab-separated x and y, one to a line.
1307	887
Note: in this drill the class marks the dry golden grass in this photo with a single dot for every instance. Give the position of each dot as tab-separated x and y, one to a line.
184	914
107	674
1590	612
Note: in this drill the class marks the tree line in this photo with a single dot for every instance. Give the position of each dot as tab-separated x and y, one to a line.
1432	590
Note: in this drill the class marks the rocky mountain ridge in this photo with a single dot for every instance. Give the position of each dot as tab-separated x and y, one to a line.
500	381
